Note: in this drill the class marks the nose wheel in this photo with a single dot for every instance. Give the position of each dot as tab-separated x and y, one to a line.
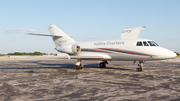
140	65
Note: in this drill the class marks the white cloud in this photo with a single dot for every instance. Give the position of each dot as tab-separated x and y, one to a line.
18	30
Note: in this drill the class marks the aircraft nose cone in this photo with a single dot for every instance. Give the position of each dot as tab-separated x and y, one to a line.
173	55
170	54
163	53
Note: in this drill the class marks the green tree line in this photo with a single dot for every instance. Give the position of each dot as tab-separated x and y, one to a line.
24	53
178	53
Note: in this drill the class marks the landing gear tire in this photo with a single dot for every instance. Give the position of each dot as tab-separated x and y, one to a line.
140	66
139	69
102	65
79	66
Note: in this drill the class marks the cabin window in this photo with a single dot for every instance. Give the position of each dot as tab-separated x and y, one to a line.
151	43
145	43
139	43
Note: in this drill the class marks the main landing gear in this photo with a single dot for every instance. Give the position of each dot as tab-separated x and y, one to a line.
103	64
79	64
140	66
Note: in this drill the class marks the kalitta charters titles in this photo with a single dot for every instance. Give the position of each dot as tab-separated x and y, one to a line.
109	43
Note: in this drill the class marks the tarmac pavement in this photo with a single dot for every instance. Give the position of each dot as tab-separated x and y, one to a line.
30	79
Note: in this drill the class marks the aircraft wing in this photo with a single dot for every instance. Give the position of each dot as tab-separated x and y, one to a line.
65	56
91	57
131	33
44	35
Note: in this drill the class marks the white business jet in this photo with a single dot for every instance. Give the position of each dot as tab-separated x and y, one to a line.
129	48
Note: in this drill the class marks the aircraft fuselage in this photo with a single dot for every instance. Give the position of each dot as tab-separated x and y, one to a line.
124	50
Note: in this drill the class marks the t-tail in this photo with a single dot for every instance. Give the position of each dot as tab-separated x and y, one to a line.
60	38
63	42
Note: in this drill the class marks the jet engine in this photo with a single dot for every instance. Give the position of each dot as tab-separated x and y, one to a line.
70	49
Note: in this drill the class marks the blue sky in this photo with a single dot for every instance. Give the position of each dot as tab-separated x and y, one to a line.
86	20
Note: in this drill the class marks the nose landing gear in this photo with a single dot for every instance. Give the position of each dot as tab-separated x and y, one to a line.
140	66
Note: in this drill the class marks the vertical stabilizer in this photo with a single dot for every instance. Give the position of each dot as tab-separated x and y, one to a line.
65	39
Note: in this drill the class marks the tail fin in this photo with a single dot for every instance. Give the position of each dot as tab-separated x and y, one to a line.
58	41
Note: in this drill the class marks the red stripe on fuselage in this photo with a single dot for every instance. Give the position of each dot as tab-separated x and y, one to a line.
95	50
130	52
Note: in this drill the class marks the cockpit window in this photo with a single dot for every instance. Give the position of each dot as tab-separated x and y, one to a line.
145	43
155	43
151	43
139	43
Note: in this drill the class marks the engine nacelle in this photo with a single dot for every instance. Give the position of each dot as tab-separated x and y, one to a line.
70	49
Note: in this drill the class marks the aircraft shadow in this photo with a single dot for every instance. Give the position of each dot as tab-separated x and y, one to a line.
60	66
107	67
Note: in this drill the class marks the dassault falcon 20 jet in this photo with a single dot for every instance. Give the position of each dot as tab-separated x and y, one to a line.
129	48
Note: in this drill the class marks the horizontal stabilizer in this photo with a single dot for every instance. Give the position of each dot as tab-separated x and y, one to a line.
131	33
45	35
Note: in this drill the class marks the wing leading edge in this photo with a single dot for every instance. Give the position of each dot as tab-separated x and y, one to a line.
91	57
